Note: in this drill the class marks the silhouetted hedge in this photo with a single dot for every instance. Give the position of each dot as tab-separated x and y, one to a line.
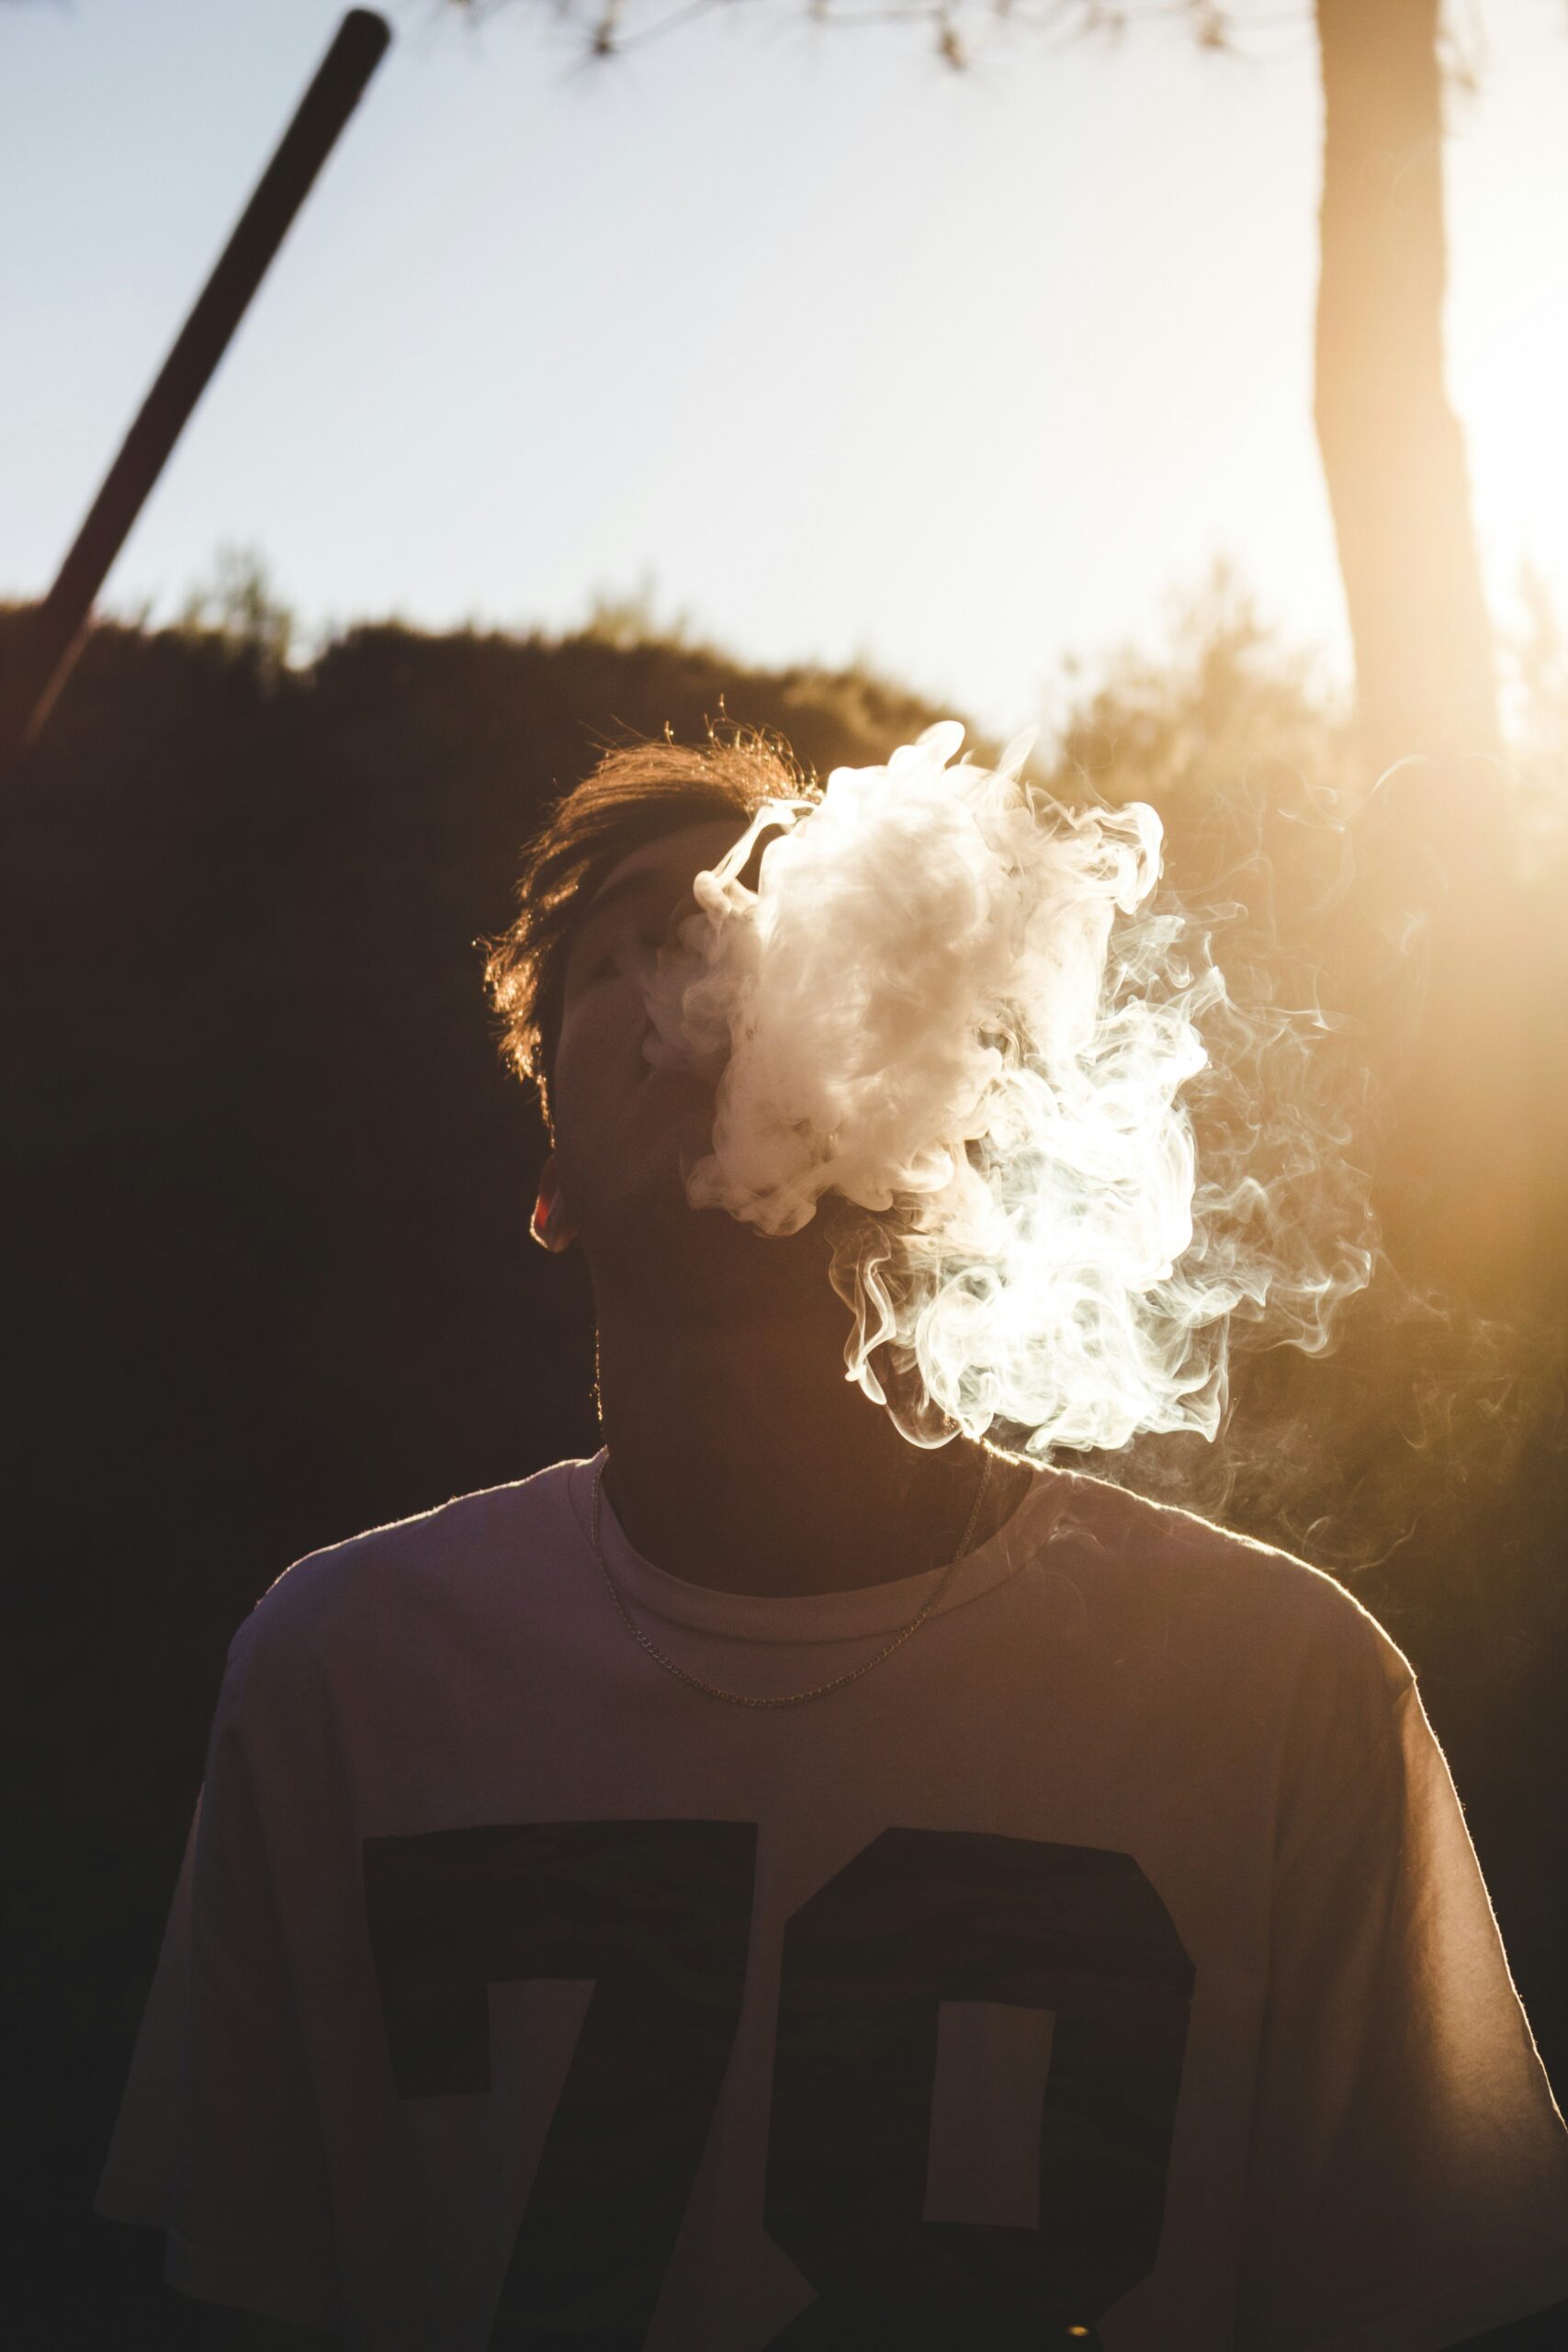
270	1280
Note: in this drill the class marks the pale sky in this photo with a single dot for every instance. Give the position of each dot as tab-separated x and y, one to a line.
852	354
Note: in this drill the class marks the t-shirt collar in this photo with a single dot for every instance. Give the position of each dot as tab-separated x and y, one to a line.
821	1617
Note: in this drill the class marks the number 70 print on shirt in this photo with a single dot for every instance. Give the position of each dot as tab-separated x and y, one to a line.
657	1914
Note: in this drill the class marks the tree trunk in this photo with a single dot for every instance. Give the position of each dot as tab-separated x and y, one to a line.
1392	447
1436	904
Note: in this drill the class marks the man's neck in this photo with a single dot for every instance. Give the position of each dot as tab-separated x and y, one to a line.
741	1458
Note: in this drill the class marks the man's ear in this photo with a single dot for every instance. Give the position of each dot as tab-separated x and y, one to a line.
550	1224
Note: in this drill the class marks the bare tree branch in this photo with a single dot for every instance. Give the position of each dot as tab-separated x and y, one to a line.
960	28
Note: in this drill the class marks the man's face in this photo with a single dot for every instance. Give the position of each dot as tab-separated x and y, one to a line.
627	1133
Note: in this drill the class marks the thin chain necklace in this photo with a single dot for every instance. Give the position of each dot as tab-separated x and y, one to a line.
790	1698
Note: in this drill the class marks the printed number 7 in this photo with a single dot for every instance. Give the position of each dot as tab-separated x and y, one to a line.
658	1914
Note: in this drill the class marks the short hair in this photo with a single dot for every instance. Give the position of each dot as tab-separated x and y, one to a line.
637	793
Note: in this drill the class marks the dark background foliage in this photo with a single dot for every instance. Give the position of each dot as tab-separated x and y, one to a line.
270	1280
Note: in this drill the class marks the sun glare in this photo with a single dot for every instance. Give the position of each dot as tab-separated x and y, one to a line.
1512	391
1508	313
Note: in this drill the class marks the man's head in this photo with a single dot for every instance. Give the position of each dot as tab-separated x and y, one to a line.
602	885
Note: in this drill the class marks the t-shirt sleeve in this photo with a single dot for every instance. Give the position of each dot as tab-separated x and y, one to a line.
218	2139
1408	2172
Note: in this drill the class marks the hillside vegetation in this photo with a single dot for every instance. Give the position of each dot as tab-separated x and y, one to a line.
271	1280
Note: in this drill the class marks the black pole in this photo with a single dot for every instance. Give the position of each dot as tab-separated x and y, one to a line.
39	648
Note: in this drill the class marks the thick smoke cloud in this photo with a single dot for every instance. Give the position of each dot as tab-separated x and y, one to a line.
950	1019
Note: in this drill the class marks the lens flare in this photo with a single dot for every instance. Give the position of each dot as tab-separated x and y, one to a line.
948	1018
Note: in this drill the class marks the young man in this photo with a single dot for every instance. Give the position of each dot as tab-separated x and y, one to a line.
769	1885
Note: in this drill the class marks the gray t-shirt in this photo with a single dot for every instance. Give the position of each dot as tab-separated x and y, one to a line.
1111	1960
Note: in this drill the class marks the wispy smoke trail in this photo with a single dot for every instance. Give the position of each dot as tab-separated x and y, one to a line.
949	1017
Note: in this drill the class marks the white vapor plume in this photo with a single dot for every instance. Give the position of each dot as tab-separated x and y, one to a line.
948	1018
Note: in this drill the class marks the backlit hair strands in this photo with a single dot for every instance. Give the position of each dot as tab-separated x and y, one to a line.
637	793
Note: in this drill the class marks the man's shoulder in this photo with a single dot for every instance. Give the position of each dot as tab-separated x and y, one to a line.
1237	1592
406	1566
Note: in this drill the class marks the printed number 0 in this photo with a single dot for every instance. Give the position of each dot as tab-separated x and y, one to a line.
658	1914
923	1917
